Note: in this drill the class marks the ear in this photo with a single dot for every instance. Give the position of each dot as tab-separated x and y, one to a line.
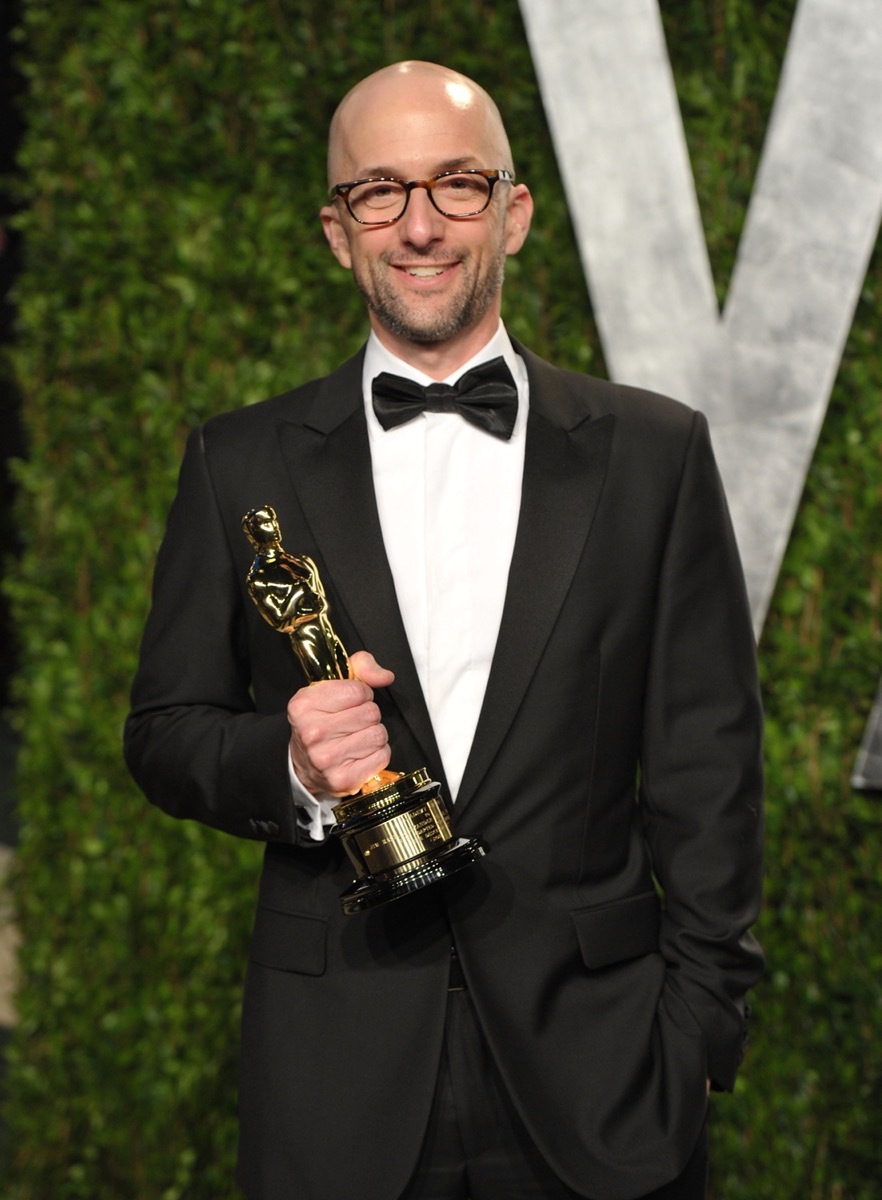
337	234
518	216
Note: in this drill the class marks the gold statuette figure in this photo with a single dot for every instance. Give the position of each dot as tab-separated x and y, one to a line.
396	830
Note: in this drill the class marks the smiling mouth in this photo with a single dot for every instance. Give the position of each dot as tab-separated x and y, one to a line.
425	272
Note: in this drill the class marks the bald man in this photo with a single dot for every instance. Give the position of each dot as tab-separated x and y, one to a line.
538	575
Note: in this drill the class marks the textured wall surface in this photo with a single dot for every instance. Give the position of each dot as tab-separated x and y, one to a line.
763	371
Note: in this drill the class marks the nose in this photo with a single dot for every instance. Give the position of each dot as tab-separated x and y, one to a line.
421	224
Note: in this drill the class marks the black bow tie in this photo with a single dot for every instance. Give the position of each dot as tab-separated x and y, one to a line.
486	396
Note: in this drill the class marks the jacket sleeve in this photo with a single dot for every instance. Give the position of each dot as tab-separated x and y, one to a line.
701	763
193	740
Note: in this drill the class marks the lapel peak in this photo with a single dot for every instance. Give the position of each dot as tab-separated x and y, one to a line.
337	397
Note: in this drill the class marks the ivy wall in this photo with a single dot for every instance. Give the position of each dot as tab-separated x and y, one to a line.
170	176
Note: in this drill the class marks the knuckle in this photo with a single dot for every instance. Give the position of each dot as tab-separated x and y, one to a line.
358	692
310	735
298	705
323	756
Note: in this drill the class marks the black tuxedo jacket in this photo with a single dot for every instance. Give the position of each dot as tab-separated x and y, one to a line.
615	776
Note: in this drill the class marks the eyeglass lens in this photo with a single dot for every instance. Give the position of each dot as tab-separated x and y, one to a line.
453	195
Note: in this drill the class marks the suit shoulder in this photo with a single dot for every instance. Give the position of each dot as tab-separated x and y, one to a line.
253	418
642	405
579	395
329	395
634	405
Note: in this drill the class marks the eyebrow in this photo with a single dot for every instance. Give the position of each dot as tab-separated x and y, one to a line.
452	164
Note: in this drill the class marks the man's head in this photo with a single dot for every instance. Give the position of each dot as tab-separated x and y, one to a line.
432	282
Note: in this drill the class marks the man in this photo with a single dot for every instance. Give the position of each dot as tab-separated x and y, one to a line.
563	610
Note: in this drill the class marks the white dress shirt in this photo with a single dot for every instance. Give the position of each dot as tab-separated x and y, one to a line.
448	496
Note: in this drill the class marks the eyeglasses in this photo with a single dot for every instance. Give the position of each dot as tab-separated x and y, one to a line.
453	193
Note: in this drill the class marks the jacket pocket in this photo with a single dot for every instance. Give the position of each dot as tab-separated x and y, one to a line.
613	933
289	941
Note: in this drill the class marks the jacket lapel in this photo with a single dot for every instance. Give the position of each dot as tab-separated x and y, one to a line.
567	452
329	462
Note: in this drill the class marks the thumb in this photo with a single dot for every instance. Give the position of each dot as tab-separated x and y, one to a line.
366	668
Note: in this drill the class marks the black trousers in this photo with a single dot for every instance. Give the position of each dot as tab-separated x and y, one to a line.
477	1147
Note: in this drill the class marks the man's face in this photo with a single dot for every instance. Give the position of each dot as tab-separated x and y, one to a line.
429	281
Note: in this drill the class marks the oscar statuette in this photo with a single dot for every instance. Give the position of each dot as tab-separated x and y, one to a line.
396	829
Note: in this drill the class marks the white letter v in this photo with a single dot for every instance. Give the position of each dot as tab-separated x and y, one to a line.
764	371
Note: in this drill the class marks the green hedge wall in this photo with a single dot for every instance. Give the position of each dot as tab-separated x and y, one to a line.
171	174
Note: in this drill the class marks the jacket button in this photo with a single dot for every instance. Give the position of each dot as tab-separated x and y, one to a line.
269	828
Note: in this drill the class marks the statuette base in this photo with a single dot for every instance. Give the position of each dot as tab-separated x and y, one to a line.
368	893
399	840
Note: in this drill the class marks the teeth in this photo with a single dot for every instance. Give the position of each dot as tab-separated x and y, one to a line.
424	272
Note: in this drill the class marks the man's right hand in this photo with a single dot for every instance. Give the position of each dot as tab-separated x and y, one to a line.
337	738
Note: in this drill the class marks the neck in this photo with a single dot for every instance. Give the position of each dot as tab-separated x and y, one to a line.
438	360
